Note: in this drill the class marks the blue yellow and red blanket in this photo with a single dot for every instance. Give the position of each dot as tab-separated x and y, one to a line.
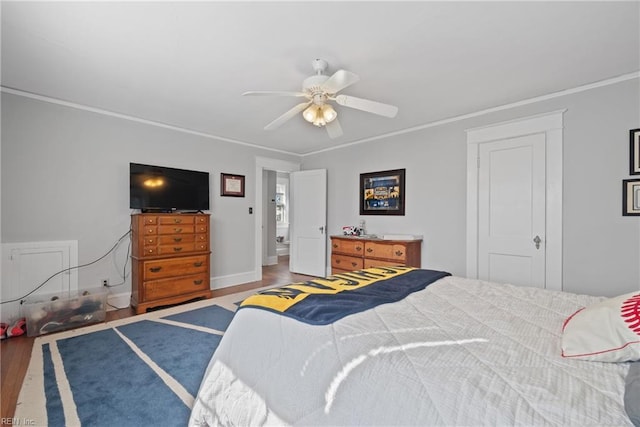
324	300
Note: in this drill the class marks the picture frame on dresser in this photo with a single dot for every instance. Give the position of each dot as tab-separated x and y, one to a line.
382	193
631	197
634	152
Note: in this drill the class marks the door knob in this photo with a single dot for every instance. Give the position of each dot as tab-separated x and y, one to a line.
321	228
537	241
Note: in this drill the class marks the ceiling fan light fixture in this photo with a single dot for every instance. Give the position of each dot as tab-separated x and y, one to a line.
320	115
328	113
311	113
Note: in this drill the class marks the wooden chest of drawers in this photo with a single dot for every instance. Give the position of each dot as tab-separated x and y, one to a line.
170	259
355	253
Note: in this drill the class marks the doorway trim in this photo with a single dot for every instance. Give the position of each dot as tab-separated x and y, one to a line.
551	124
265	163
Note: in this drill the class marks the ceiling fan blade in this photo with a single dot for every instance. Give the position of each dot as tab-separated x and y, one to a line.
367	105
340	80
334	129
287	116
273	93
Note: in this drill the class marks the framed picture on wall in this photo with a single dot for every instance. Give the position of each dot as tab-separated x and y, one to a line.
231	185
382	193
634	151
631	197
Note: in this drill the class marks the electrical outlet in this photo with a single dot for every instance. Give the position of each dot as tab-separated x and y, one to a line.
105	282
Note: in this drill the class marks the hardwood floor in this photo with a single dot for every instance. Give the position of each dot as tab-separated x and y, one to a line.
15	352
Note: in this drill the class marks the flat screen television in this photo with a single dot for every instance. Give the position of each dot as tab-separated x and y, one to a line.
163	189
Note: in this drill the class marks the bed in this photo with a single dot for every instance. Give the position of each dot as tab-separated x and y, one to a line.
455	351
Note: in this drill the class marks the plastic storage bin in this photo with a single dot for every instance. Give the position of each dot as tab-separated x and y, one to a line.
64	310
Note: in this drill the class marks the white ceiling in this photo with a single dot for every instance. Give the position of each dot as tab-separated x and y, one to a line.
186	64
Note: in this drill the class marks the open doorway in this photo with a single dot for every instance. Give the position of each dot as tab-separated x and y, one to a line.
266	243
275	218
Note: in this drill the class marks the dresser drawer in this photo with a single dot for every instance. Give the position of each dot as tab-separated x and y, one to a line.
175	219
348	247
179	249
343	262
368	263
150	240
171	287
176	239
149	220
176	229
161	268
388	251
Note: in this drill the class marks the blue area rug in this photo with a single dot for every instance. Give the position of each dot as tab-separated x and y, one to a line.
144	370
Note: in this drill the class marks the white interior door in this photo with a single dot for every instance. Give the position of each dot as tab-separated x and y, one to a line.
308	213
511	211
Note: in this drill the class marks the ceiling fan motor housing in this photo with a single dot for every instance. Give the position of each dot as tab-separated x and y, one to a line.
313	84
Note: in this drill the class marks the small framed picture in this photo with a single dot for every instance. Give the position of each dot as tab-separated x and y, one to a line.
231	185
634	152
382	193
631	197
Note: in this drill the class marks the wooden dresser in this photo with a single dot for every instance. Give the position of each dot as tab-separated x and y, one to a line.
170	259
356	253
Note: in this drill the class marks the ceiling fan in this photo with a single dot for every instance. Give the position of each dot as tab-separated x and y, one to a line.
318	90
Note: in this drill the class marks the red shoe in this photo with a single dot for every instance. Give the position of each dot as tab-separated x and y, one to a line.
3	330
18	328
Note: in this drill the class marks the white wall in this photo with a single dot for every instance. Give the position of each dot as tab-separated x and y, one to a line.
65	176
601	252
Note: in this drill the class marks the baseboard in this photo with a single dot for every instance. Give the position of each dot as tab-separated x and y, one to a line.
232	280
282	251
271	260
118	301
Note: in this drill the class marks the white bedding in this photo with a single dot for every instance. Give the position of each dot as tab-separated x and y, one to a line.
460	352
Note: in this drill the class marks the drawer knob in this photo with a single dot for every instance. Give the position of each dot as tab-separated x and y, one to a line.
178	230
197	264
197	282
335	246
155	269
398	253
177	220
150	240
337	261
358	248
177	248
177	239
369	250
354	264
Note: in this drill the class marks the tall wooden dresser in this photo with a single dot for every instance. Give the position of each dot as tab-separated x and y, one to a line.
170	259
355	253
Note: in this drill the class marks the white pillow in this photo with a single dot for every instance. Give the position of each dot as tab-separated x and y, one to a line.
608	331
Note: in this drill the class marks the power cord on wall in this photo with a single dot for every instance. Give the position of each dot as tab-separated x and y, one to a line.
21	299
124	278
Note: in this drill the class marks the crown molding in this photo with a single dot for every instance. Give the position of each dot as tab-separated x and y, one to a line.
104	112
528	101
590	86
